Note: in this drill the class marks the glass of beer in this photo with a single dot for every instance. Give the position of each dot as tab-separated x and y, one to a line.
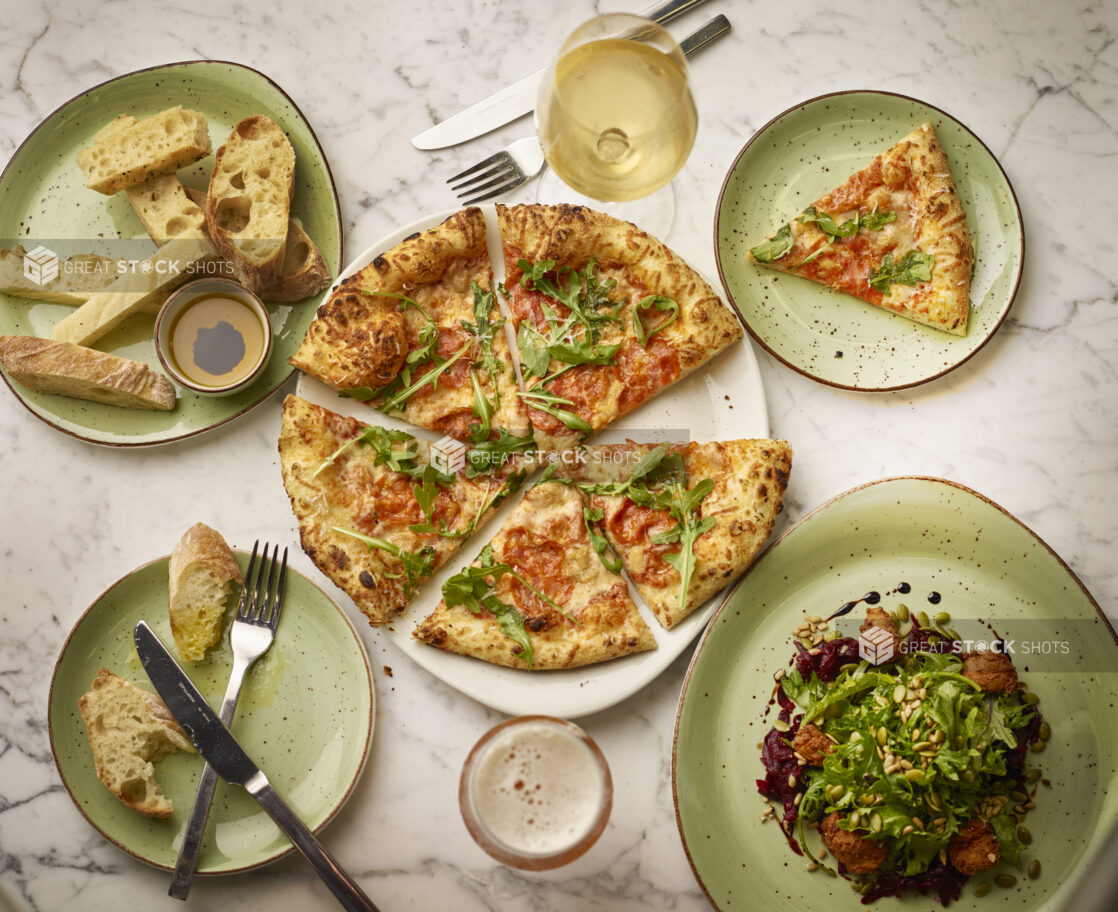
535	792
616	119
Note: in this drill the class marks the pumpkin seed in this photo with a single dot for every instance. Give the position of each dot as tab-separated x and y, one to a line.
781	726
1034	774
914	775
1030	698
1045	731
1005	880
875	822
922	618
1019	797
1024	835
981	889
1037	746
1034	869
942	617
898	693
902	612
882	736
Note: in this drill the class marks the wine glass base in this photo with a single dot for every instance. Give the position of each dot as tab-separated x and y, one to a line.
654	213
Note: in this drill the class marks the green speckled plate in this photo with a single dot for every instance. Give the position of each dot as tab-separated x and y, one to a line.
835	338
989	569
305	714
43	199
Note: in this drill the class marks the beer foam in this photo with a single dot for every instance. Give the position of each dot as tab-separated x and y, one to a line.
538	789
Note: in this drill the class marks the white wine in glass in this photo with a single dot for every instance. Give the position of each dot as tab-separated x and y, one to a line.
615	114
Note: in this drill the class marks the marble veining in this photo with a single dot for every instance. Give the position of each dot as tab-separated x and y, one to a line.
1030	422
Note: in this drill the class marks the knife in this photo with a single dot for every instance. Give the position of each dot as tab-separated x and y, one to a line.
221	750
517	99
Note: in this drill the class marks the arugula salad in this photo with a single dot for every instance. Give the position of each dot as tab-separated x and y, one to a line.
913	770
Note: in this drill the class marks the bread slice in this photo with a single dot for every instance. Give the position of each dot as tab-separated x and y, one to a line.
64	369
203	575
130	728
79	277
166	209
174	264
127	152
304	267
249	200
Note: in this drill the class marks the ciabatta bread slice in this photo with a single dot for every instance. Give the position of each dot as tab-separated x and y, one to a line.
304	267
64	369
249	200
203	575
128	730
128	151
79	277
166	209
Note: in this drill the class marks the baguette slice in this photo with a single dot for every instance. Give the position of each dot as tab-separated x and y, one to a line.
249	200
64	369
127	152
203	574
304	267
79	277
175	263
129	729
166	209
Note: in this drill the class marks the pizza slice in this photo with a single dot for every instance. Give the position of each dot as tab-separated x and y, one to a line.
894	235
606	317
545	593
686	520
418	334
374	514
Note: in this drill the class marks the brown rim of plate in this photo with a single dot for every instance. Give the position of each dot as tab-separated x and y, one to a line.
125	444
797	368
714	618
284	852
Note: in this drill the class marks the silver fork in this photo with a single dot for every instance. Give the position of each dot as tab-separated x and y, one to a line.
505	171
251	633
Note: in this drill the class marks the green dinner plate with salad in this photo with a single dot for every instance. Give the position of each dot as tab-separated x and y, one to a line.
834	338
44	202
305	715
933	546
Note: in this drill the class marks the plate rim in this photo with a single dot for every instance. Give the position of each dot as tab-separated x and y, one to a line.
1020	222
699	619
695	656
282	853
130	444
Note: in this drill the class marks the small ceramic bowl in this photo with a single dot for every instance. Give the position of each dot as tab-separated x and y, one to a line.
213	337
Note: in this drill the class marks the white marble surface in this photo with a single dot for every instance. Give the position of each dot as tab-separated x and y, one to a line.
1031	421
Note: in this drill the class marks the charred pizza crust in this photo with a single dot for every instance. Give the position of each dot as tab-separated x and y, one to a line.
361	337
572	236
750	477
546	541
912	179
356	493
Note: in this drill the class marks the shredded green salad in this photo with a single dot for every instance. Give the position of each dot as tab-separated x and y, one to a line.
918	750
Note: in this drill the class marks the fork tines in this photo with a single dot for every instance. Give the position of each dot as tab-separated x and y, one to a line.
498	171
264	603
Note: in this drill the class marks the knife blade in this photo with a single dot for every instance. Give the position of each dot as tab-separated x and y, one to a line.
223	752
517	99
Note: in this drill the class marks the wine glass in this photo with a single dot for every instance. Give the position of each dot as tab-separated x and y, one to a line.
616	120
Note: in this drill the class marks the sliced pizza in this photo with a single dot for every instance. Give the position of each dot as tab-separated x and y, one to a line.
606	317
374	513
545	593
893	234
686	520
418	334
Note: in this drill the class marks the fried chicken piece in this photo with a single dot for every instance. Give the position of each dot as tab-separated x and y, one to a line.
879	617
992	671
857	854
811	744
974	848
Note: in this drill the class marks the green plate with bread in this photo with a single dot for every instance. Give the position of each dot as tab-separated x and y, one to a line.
44	202
305	715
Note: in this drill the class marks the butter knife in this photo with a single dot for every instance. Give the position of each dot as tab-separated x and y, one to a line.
517	99
222	751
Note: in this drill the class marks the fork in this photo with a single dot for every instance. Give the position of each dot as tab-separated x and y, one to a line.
251	633
505	171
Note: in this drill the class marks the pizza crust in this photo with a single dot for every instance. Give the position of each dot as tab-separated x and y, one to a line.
609	624
913	179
